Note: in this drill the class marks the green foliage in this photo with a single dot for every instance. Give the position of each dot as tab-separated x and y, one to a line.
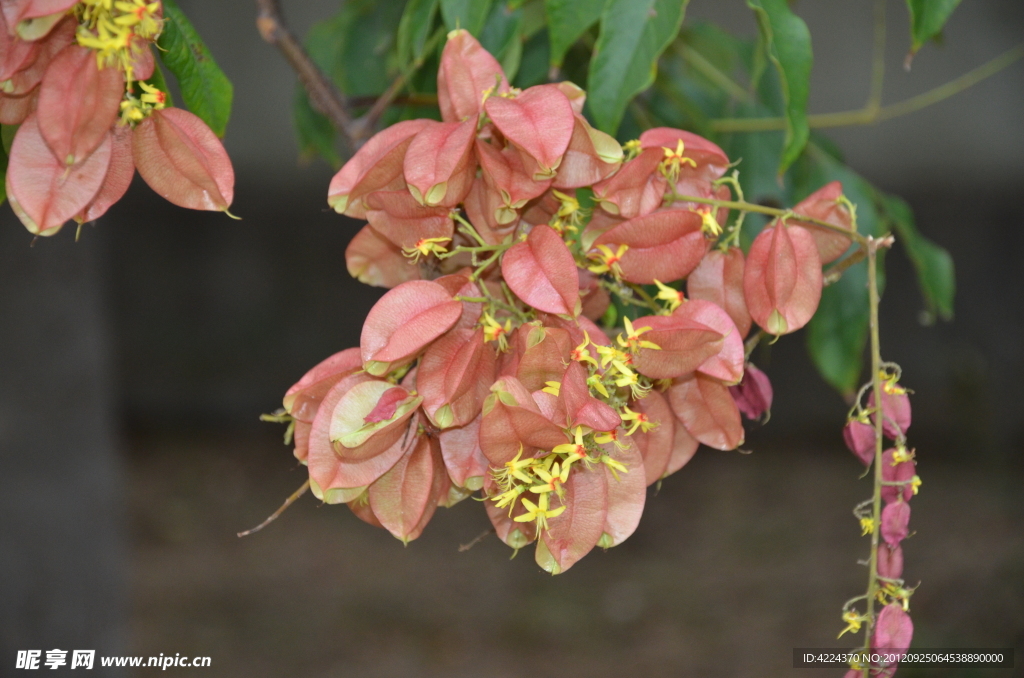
205	89
414	29
633	35
788	45
934	266
468	14
501	37
927	17
568	20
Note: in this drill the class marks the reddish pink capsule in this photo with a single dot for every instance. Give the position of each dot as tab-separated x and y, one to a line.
895	522
895	411
582	409
727	364
626	494
890	561
303	399
893	630
684	345
399	218
590	157
454	377
636	189
119	176
860	439
753	395
706	161
901	472
404	499
460	447
655	445
513	424
573	534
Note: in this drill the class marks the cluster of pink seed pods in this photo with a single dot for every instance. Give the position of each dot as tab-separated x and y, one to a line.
71	75
505	231
892	629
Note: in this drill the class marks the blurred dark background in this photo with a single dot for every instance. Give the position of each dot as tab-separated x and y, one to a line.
134	365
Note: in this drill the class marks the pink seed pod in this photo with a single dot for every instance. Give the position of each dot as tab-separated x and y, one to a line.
753	395
860	439
895	522
895	411
890	561
901	472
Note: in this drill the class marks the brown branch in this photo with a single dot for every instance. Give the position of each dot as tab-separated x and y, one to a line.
323	95
273	516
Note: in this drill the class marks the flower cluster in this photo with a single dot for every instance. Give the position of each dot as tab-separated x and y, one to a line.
72	76
505	231
893	629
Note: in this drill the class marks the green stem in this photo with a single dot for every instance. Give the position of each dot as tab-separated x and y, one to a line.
772	211
832	274
873	246
868	115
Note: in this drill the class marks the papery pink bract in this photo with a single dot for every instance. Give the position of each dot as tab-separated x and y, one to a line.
438	165
119	175
303	399
896	413
893	630
581	408
627	493
824	205
543	273
183	160
655	445
539	121
860	439
44	192
454	377
513	424
376	166
719	278
727	364
573	534
708	412
890	561
782	279
399	218
683	346
404	321
78	104
405	498
374	260
466	71
460	448
664	246
901	472
590	157
634	190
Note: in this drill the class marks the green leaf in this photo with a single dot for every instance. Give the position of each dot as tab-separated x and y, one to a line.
567	21
838	332
207	92
934	265
316	133
634	33
500	36
468	14
927	17
533	66
413	30
788	44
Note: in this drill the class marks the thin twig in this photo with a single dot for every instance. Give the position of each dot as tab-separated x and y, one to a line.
323	95
273	516
477	540
865	116
833	273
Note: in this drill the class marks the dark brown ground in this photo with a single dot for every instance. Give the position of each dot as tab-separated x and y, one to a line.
737	560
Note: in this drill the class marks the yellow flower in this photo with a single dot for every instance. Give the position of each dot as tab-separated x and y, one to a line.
580	354
632	148
575	450
553	479
425	247
595	382
867	526
539	512
632	341
901	454
853	622
495	331
915	484
639	419
616	467
709	225
552	387
671	295
607	261
674	160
